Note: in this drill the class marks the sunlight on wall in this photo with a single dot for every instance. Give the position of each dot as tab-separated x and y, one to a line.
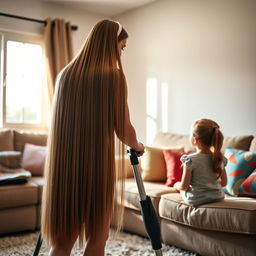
157	108
165	111
151	130
152	98
151	108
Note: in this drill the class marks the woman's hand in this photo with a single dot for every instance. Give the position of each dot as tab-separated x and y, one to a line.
139	149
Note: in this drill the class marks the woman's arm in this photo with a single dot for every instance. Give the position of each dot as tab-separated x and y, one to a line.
185	180
129	136
126	134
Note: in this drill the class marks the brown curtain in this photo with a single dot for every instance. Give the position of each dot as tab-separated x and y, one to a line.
58	49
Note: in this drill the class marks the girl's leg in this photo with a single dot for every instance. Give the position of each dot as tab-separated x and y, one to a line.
64	246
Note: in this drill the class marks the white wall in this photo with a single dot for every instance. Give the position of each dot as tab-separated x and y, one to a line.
41	10
205	52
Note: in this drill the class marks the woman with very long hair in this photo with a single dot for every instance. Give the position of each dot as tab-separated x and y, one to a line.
90	107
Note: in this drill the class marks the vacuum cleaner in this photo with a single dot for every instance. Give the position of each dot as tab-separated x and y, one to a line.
147	209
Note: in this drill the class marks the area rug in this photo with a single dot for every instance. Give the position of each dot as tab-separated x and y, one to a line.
124	244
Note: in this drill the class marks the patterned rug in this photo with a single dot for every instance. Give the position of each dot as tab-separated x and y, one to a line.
124	244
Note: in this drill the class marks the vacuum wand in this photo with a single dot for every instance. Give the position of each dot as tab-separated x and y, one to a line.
147	209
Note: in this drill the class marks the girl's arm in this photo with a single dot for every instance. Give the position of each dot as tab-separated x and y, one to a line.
223	178
185	180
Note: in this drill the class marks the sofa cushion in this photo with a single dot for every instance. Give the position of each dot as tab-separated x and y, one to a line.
166	140
162	140
174	166
153	189
33	159
18	195
21	138
238	142
17	220
235	215
248	187
253	145
39	182
207	242
38	216
6	140
153	165
10	159
240	165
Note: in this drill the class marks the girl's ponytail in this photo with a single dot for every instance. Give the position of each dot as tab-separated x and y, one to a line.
210	136
217	142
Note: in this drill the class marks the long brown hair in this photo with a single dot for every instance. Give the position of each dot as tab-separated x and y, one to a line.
210	135
89	105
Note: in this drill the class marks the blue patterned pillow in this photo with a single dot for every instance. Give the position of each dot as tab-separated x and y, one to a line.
239	166
248	187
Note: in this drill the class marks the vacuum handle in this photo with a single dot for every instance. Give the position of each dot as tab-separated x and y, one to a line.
133	156
136	171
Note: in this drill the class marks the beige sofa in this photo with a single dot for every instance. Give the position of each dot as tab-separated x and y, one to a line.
218	229
20	204
224	228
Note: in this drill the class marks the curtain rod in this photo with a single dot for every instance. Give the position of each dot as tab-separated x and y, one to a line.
73	27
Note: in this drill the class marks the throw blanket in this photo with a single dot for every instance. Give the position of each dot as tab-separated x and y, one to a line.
10	168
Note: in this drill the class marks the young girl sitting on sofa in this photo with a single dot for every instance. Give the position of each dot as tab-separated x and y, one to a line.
204	172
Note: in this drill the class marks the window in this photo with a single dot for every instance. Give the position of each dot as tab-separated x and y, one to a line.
24	93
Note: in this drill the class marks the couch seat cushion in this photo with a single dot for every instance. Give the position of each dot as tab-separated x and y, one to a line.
153	189
234	214
39	182
18	195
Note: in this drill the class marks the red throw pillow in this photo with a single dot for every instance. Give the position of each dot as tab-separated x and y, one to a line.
173	166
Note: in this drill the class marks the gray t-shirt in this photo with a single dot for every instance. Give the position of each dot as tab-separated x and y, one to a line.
204	187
